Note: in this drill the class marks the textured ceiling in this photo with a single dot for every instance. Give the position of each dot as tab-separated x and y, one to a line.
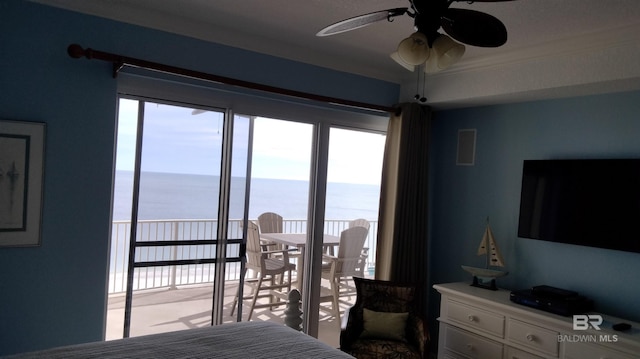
539	30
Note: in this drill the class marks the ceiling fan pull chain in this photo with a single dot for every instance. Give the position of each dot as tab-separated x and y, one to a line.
419	97
424	80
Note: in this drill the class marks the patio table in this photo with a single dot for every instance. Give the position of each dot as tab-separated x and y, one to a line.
298	240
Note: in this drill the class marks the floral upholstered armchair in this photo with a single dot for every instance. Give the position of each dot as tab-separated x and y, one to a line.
383	322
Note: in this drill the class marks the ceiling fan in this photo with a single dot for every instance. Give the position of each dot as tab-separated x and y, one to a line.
464	25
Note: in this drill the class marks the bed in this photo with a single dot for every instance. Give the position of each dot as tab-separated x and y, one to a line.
235	340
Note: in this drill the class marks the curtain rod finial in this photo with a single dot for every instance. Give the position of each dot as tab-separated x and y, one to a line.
76	51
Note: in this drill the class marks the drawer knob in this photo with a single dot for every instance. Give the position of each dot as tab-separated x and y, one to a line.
471	318
530	337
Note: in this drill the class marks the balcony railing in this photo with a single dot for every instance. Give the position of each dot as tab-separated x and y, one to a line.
182	229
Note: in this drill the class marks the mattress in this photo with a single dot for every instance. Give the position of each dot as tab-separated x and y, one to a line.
236	340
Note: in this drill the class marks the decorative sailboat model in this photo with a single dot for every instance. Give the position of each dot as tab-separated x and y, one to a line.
486	277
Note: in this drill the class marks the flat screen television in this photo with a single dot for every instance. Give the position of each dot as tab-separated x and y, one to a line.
585	202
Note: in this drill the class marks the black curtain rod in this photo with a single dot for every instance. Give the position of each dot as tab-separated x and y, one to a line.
76	51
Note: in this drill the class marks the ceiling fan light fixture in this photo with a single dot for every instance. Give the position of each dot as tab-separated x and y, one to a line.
396	57
414	50
448	52
439	51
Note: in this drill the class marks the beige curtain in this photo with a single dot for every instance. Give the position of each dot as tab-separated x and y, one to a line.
402	227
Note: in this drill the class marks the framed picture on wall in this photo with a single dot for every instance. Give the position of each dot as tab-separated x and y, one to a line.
21	179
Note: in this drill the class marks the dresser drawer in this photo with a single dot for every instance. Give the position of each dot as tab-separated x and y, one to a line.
470	345
540	339
472	317
513	353
591	351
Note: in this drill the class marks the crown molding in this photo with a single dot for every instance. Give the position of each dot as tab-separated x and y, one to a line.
622	36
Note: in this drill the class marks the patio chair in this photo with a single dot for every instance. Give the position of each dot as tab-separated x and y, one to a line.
361	222
338	270
383	323
271	276
271	222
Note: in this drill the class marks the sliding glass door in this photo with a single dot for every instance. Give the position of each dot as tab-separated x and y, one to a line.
279	172
354	170
171	225
190	180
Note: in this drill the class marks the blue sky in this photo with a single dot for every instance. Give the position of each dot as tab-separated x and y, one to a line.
177	140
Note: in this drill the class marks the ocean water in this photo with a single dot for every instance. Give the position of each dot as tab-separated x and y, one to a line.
188	196
167	196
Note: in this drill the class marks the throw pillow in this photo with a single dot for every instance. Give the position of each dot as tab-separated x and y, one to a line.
382	325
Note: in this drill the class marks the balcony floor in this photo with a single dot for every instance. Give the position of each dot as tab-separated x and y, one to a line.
164	310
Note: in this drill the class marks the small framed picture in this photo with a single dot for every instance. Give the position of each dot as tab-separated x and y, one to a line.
21	179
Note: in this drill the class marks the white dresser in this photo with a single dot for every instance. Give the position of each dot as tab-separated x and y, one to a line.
483	324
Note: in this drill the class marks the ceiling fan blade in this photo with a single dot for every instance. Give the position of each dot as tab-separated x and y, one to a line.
474	28
361	21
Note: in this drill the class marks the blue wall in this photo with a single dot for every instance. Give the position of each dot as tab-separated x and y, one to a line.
603	126
55	294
